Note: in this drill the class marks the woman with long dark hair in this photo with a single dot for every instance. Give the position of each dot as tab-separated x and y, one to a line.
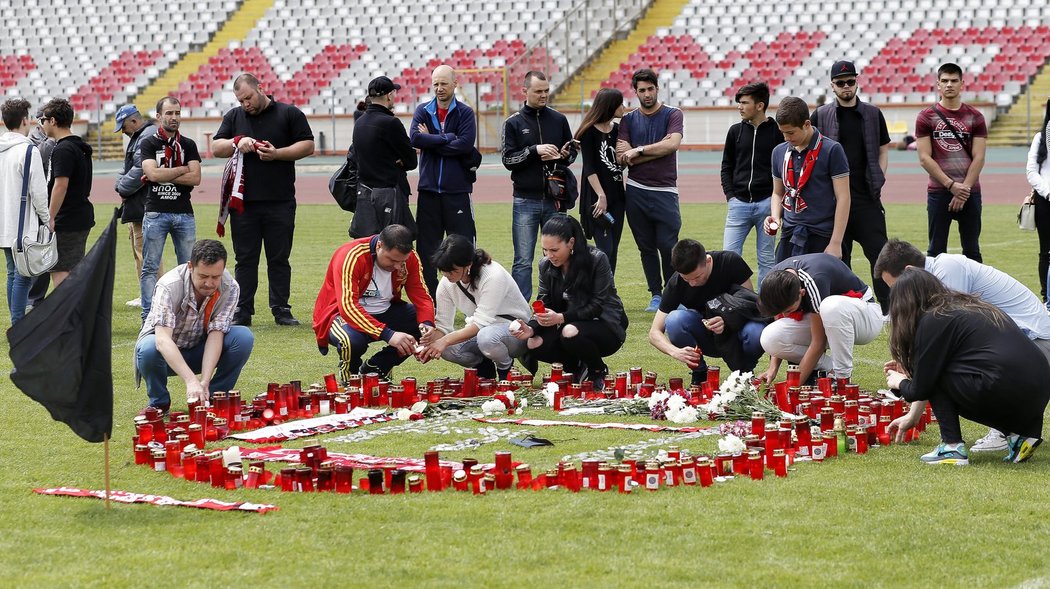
473	284
602	200
1038	173
966	359
583	319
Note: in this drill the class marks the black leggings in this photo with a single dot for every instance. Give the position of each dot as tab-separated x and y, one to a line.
1042	225
594	341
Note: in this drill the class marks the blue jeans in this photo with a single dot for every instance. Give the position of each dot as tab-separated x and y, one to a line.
740	218
528	217
236	348
155	230
655	220
685	328
17	288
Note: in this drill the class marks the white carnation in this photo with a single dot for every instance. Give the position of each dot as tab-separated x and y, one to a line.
493	406
685	414
675	403
731	445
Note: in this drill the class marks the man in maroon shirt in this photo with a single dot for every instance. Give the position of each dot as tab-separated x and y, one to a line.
952	137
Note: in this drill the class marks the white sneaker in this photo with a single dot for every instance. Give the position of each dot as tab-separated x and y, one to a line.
994	441
134	303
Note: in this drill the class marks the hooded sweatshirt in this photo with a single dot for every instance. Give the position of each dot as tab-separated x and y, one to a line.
71	159
12	162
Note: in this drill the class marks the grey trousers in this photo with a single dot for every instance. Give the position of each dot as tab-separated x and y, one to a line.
493	342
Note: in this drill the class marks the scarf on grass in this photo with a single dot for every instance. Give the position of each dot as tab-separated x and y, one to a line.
231	191
173	154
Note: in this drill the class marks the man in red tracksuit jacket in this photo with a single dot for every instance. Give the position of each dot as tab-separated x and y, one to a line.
360	302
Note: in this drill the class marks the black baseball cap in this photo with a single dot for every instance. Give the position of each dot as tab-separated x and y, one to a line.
843	68
382	86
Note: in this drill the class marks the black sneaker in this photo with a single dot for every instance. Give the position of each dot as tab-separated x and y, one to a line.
529	363
284	318
699	375
487	369
242	319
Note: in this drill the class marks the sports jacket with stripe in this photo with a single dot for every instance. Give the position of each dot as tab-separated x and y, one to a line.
348	275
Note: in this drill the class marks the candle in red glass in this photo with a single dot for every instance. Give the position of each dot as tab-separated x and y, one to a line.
604	478
840	386
785	436
288	479
558	394
838	404
252	480
375	481
793	376
234	478
758	423
705	471
397	481
408	385
575	391
852	411
782	400
688	471
330	384
649	378
827	419
674	452
477	484
824	386
652	476
831	446
504	470
415	483
754	463
713	376
779	463
557	371
723	465
432	468
344	478
861	440
817	449
537	307
144	431
646	390
157	458
635	376
203	467
624	481
217	472
470	382
804	437
189	465
459	480
141	454
772	444
675	383
340	404
524	476
172	455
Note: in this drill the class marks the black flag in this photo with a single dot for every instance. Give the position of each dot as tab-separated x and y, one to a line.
62	350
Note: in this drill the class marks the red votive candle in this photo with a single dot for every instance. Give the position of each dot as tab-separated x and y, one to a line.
713	376
652	476
203	468
635	379
524	476
688	471
158	456
624	480
375	481
824	386
783	402
705	471
793	376
827	419
779	463
432	468
817	449
831	447
344	478
408	385
330	384
397	481
217	472
504	470
754	462
141	454
723	465
804	436
758	423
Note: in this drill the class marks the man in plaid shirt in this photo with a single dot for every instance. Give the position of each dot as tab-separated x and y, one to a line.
190	331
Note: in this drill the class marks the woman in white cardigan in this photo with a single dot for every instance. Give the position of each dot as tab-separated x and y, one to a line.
1038	172
488	297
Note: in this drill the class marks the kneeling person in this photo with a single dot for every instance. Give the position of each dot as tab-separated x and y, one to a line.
720	318
360	302
488	297
189	329
819	303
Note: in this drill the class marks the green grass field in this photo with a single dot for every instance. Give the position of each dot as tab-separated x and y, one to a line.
878	520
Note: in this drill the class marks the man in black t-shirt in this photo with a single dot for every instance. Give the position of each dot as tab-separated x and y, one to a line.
69	184
172	167
861	129
271	136
720	318
822	310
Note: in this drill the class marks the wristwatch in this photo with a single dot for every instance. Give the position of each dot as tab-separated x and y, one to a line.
641	150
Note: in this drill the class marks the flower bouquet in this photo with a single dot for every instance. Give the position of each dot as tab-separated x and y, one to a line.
737	398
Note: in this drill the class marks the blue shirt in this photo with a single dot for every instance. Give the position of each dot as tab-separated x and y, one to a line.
994	287
819	191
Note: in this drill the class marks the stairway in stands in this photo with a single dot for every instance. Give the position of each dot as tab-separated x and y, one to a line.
1016	126
662	13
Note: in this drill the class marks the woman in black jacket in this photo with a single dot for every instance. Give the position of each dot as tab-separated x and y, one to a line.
583	320
966	359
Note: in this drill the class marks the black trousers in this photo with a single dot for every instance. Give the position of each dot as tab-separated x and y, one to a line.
940	221
594	341
437	215
1017	412
815	244
867	226
270	224
1042	226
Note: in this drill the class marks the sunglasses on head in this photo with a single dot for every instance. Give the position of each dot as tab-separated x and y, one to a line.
844	83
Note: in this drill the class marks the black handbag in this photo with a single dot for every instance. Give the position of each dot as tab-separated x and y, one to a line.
560	186
343	184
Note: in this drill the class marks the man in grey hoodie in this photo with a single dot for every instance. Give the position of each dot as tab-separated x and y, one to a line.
130	187
14	145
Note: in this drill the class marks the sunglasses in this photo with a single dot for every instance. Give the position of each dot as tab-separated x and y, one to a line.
844	83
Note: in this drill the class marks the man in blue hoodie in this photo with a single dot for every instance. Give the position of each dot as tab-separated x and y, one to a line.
444	132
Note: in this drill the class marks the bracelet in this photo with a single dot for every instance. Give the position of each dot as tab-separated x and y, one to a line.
950	185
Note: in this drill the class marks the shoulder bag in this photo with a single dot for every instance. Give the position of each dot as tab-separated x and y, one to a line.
33	255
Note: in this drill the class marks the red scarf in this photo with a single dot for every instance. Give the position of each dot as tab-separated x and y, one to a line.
231	191
172	149
793	200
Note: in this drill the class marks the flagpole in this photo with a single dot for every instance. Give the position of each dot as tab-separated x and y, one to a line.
105	450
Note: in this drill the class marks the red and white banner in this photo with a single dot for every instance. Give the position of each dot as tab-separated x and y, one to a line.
642	427
355	461
314	426
126	497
